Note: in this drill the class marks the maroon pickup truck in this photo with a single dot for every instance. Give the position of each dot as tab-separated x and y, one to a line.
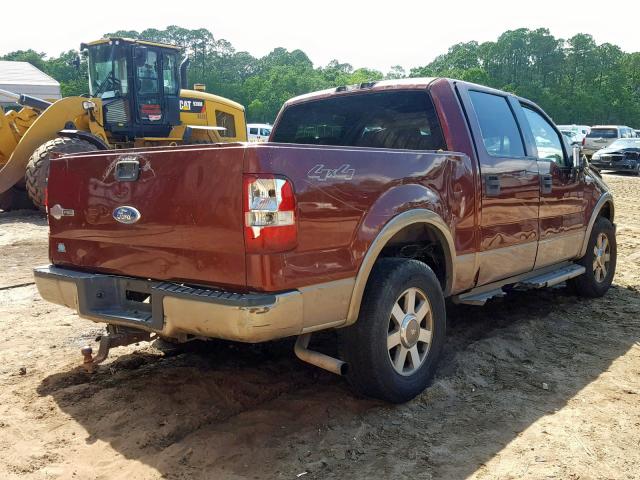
369	206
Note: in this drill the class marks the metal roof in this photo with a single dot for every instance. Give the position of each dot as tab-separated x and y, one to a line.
22	77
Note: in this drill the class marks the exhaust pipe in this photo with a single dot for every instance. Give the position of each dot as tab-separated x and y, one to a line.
318	359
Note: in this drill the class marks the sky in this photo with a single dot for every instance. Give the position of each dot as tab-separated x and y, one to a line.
365	34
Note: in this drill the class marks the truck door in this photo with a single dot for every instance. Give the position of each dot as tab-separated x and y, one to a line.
562	199
510	185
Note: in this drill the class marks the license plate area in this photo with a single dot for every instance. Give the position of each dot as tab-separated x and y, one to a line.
124	300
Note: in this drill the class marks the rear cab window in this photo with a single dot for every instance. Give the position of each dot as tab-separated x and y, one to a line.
404	120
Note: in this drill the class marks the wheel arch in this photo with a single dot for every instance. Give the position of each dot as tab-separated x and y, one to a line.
432	223
603	208
86	136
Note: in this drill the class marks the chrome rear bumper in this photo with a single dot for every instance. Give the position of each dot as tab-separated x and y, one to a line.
171	309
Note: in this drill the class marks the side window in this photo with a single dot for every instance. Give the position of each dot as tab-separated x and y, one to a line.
265	132
169	74
499	129
548	142
253	131
226	120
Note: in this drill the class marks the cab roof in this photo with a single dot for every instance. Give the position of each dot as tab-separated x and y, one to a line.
375	85
130	41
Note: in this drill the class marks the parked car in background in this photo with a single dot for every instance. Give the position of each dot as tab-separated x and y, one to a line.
623	155
258	132
572	138
580	130
601	136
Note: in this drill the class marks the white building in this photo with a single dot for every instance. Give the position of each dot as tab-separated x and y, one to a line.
24	78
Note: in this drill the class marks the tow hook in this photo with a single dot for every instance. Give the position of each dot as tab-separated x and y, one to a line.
116	337
318	359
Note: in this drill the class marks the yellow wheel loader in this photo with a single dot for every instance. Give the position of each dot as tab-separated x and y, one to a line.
135	100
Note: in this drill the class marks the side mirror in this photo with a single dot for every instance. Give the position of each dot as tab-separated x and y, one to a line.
577	159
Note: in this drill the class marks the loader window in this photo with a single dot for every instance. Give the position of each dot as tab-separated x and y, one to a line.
147	72
170	74
227	121
107	71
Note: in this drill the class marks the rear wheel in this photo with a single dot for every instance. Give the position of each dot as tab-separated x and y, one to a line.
599	261
393	348
37	172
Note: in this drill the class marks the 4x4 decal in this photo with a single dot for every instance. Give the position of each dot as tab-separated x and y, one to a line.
319	172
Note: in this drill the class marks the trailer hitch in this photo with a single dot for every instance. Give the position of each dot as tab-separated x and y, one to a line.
116	337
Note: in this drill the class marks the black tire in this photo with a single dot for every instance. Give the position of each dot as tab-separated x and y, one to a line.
588	284
15	199
37	172
364	344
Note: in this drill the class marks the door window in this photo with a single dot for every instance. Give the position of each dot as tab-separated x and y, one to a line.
547	139
500	133
147	71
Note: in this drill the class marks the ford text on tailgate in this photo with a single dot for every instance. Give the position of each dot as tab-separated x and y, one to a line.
369	207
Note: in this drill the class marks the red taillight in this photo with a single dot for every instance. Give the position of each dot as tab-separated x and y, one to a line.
269	214
584	140
46	198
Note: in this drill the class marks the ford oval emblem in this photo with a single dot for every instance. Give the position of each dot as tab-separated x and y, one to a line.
126	215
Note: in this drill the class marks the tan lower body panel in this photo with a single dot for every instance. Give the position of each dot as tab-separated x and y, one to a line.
505	262
559	248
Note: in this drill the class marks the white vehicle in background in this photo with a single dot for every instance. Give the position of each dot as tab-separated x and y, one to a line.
601	136
578	131
574	138
258	132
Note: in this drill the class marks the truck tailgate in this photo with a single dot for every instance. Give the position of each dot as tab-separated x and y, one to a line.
190	214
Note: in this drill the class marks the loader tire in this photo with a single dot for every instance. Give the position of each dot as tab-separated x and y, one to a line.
37	173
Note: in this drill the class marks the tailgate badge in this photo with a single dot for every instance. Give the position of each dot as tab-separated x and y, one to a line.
58	212
127	215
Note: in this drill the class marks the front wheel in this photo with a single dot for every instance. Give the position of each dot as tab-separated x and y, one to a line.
393	347
599	261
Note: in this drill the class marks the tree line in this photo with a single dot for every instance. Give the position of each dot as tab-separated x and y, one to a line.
574	80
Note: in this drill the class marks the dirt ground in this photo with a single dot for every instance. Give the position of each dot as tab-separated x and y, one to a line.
536	385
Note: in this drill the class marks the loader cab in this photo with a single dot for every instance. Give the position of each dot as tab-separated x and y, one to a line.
138	83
